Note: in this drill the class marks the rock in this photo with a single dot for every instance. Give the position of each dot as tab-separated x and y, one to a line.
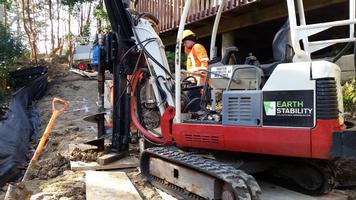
71	129
53	172
64	198
68	172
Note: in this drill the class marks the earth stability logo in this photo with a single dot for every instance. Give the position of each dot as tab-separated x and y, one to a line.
270	108
286	108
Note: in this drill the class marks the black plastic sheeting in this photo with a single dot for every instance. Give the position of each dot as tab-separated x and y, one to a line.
21	121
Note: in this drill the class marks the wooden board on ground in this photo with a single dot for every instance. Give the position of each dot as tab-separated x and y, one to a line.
109	186
84	73
109	158
127	162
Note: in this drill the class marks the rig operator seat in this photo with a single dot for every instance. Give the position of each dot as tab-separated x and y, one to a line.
282	51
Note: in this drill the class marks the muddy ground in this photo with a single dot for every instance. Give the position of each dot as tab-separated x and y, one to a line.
52	178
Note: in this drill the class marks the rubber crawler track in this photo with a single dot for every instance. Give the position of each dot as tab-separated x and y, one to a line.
245	186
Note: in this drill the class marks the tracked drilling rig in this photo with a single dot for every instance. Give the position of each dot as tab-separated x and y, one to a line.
286	115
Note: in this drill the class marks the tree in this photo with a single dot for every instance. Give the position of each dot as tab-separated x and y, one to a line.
98	15
59	42
51	21
11	48
102	18
6	4
29	24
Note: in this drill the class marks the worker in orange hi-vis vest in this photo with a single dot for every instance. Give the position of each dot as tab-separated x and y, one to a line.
197	57
197	64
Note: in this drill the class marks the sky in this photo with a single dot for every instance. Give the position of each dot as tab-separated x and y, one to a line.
63	27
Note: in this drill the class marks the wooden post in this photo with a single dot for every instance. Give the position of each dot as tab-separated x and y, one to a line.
228	40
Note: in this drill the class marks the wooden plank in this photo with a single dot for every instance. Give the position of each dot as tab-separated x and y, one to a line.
175	13
109	186
145	5
168	15
109	158
155	9
164	13
234	3
152	7
197	10
171	16
190	13
181	4
127	162
159	12
201	8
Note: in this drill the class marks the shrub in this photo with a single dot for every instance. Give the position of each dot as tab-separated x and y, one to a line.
171	60
349	96
11	49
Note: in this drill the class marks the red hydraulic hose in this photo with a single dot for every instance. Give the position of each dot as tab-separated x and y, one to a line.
147	134
133	108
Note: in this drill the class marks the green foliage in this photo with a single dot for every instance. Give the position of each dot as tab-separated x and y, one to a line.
69	36
170	57
11	47
8	3
86	30
171	60
4	83
100	14
349	96
72	3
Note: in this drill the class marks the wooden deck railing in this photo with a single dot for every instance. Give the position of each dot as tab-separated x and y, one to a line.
169	11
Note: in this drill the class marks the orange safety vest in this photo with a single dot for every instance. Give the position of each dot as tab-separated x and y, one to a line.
197	59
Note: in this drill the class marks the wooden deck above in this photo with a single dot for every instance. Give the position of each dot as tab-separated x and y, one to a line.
237	14
169	11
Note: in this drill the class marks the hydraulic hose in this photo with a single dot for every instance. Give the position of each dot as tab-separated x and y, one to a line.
147	134
133	109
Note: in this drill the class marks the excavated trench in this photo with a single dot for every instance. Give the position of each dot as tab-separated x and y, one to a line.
19	122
